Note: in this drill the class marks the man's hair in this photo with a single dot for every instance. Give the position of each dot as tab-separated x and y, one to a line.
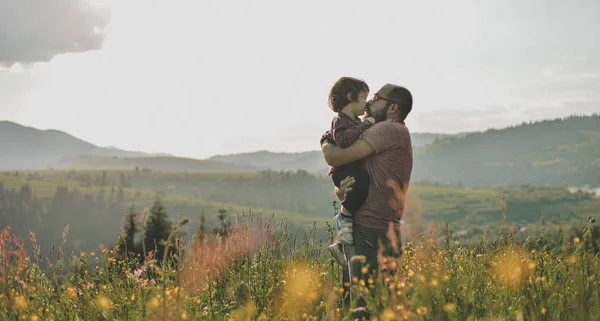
403	98
338	95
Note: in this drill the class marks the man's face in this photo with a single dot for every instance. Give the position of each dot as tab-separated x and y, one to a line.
377	109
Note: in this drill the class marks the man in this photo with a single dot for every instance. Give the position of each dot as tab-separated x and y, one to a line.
387	150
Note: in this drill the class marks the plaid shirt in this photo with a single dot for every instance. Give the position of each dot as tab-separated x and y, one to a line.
344	131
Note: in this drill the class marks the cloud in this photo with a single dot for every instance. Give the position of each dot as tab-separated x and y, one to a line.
37	30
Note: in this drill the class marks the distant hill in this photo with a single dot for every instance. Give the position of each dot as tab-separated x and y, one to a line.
557	152
29	148
311	161
158	163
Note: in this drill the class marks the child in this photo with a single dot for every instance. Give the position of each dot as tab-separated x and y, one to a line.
348	97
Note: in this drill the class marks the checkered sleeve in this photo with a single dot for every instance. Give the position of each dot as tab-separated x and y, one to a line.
346	132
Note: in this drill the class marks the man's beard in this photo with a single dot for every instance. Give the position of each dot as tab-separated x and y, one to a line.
380	116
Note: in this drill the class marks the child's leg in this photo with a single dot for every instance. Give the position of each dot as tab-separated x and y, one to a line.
355	199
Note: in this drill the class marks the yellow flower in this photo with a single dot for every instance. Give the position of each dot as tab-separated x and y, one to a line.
155	303
103	303
422	311
71	294
576	240
82	254
184	316
544	311
92	254
388	315
450	307
34	318
21	302
364	270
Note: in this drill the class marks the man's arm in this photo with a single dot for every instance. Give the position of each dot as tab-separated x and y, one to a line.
336	156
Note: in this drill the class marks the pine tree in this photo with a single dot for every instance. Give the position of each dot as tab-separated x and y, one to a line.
224	228
158	228
130	229
202	230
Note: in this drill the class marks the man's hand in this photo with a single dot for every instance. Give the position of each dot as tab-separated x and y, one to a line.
369	119
345	188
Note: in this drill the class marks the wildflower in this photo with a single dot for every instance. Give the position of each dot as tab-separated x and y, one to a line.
155	303
450	307
388	315
71	294
184	316
103	303
543	311
21	302
364	270
82	254
139	272
576	240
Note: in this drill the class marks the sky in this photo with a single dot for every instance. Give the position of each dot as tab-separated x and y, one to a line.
199	78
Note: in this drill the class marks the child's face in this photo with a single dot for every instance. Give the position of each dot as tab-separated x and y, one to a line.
360	104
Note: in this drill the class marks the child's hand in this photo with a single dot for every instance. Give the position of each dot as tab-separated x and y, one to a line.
345	188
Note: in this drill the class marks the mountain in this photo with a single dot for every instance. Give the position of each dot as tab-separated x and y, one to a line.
564	151
29	148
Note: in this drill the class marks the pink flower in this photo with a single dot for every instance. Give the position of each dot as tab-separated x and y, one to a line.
139	272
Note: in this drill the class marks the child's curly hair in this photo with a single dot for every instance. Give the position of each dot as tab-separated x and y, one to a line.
338	95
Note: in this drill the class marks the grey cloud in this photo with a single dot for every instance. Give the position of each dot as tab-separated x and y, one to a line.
37	30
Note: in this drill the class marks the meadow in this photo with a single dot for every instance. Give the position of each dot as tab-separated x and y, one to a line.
261	272
506	253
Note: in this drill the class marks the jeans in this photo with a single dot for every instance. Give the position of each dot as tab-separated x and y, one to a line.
366	244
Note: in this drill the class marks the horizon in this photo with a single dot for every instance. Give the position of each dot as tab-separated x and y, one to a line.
203	79
158	153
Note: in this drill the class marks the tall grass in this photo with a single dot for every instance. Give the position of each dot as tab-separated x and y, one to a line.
260	271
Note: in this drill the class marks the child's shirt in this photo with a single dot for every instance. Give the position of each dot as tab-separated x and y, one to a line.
345	131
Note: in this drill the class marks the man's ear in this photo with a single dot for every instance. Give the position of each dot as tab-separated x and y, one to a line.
393	109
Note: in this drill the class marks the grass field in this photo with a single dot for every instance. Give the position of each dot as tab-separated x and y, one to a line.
262	272
513	253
